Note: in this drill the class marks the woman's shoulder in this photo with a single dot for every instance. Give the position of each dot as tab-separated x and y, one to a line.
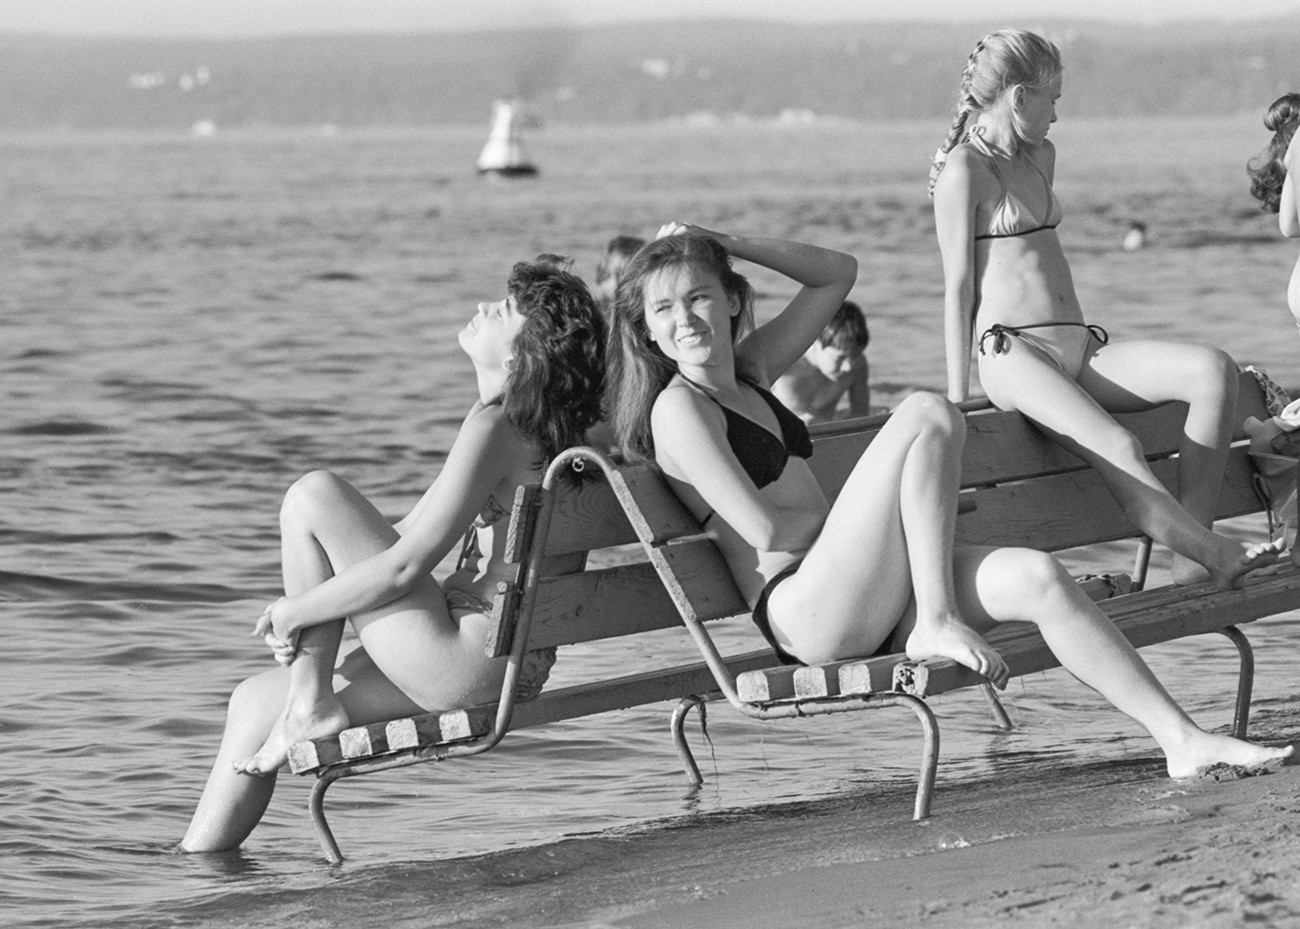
488	425
966	157
965	168
679	401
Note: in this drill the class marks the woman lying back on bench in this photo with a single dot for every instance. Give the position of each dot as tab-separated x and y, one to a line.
879	569
538	355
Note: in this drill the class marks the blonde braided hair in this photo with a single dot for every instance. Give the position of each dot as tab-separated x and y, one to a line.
999	60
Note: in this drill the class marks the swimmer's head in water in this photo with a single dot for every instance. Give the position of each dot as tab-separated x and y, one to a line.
609	269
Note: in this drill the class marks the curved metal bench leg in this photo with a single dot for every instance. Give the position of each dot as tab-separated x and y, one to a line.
929	753
678	727
316	805
999	711
1245	679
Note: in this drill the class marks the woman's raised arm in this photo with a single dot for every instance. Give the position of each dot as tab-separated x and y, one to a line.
826	277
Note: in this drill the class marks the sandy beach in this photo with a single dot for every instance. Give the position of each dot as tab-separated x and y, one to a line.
1199	854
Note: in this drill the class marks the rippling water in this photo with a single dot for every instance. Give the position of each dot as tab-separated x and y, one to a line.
189	324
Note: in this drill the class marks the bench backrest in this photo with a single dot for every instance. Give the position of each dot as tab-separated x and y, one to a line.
629	505
1025	490
1020	487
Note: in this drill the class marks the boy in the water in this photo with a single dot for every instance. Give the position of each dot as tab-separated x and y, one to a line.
835	365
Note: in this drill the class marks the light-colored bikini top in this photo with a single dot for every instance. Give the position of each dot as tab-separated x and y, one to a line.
1011	217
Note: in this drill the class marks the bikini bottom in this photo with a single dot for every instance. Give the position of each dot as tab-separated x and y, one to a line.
764	624
1000	336
536	665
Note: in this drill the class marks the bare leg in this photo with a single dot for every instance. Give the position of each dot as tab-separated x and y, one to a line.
888	542
327	525
1011	584
1137	375
233	803
1023	379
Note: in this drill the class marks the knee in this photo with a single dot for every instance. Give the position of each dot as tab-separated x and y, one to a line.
1212	374
1040	578
934	415
309	493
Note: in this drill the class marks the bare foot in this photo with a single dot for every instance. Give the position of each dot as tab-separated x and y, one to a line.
952	638
318	721
1186	572
1209	750
1242	559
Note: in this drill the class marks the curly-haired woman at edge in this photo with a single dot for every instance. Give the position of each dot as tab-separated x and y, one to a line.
1273	179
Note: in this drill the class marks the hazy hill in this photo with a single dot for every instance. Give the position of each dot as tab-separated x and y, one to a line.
621	73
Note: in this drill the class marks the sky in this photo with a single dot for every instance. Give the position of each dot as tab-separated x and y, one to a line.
228	18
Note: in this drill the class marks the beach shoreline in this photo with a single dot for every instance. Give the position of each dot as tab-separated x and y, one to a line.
1208	855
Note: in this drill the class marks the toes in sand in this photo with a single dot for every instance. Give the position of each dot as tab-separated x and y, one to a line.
1220	758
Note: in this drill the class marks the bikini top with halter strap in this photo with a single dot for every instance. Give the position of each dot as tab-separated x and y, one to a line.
761	453
1011	217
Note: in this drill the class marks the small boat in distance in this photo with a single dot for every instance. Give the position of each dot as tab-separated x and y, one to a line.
503	155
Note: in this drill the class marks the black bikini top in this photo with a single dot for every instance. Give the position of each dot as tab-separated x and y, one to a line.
760	452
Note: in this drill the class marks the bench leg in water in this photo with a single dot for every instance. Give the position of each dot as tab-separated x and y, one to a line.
316	805
999	711
1245	679
929	752
684	706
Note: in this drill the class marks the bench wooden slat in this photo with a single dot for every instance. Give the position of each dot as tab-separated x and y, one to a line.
616	601
1076	508
586	517
1000	447
589	516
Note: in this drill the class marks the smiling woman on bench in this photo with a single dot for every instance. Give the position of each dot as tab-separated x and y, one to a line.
691	390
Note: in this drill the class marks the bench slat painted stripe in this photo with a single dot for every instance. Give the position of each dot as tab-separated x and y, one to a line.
572	702
865	675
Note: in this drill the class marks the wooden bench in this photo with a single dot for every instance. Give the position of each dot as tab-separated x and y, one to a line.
1019	489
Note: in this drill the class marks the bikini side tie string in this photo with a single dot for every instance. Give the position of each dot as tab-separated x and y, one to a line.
1001	334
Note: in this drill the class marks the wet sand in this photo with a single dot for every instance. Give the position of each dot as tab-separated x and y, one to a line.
1201	854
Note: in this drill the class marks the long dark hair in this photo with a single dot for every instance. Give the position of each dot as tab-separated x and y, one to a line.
554	389
638	370
1267	173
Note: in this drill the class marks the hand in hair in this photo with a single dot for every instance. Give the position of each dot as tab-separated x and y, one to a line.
676	228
